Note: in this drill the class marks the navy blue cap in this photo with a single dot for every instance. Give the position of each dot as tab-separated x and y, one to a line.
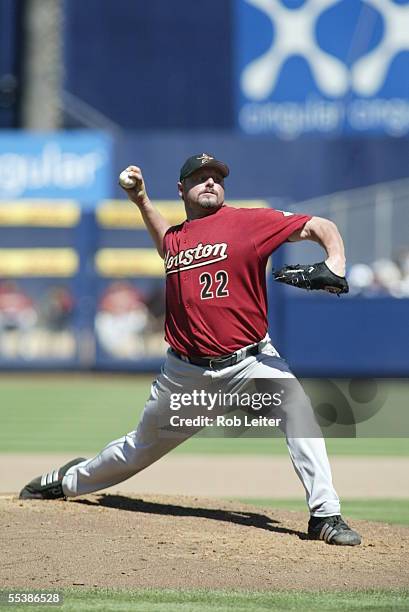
199	161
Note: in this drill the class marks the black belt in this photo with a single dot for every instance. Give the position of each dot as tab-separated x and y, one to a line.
217	363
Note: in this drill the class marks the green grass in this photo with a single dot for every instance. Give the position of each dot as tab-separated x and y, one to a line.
64	413
262	446
394	511
74	413
224	601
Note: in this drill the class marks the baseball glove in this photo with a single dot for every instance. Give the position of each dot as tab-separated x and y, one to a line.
312	277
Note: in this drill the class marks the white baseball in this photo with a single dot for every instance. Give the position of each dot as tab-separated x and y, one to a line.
126	181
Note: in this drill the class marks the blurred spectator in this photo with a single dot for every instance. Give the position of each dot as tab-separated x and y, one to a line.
156	303
360	279
157	306
18	318
121	320
53	338
402	260
384	278
17	311
57	308
387	277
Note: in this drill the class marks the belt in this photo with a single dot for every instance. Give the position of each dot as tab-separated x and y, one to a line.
217	363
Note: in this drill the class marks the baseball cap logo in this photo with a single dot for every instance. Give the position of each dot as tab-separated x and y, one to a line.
198	161
204	158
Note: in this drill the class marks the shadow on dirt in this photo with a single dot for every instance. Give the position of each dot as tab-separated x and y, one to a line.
249	519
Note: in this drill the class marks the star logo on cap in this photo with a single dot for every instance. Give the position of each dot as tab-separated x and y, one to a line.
204	158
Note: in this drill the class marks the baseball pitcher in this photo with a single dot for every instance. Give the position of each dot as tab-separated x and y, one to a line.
216	328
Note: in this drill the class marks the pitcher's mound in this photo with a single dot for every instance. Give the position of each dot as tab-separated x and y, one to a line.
183	542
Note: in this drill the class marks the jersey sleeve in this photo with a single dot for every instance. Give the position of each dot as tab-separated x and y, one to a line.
169	234
269	228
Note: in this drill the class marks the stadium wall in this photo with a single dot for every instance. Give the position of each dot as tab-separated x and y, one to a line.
84	289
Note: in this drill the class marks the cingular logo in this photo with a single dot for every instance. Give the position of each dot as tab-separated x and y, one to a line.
294	35
369	73
52	167
344	89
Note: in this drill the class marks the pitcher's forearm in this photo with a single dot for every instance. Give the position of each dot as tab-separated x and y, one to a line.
326	234
155	223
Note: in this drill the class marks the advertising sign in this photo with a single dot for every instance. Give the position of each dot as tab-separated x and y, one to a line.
68	165
322	66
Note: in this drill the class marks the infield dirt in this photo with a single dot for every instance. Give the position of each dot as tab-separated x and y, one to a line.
108	540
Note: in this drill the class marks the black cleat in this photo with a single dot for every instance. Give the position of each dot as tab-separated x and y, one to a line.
49	485
333	530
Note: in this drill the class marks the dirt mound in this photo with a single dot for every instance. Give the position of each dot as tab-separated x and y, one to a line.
180	542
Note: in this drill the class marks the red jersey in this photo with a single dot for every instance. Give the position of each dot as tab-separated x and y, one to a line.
216	297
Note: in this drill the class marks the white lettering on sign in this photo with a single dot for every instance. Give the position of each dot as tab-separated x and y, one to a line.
52	167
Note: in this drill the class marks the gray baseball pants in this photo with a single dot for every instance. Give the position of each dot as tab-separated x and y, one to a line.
135	451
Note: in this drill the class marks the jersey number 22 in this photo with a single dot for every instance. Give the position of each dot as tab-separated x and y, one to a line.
216	286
